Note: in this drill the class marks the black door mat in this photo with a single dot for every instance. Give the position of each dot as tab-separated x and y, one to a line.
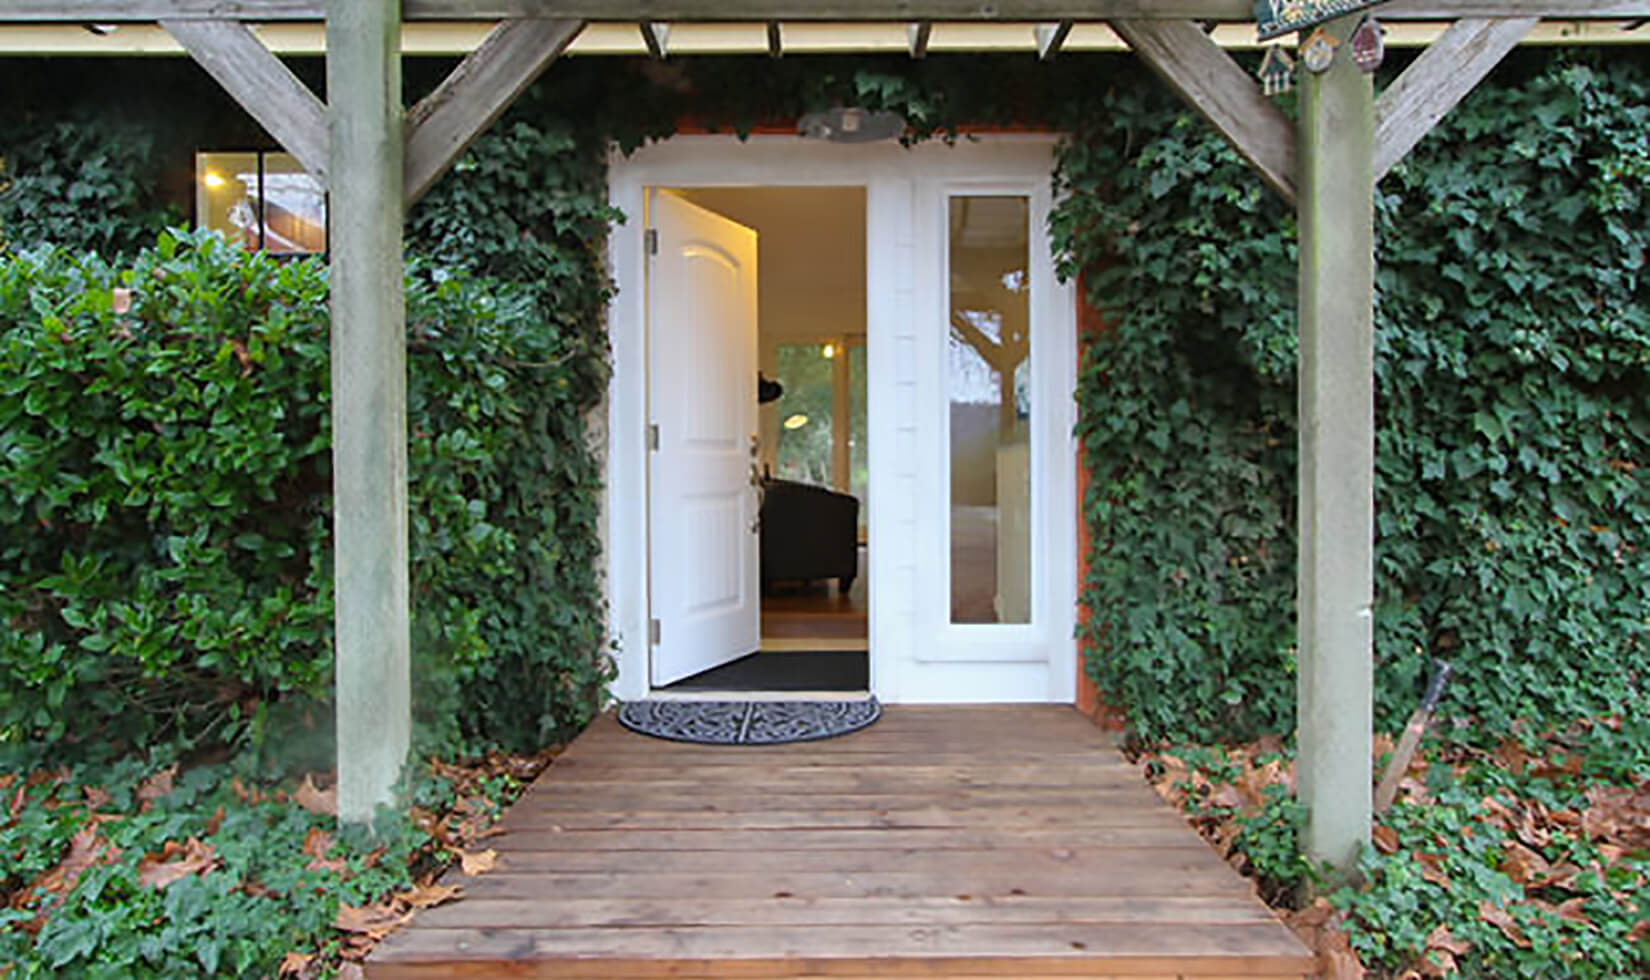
786	670
748	722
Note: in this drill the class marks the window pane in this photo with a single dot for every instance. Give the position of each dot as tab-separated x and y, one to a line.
804	451
988	367
295	207
226	195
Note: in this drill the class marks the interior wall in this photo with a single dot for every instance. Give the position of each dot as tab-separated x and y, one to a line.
810	267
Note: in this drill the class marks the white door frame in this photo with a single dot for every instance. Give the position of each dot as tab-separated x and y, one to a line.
899	182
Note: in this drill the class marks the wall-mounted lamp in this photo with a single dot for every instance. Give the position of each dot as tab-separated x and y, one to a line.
796	421
829	351
213	179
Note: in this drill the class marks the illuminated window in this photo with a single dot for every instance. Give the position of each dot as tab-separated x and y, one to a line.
261	200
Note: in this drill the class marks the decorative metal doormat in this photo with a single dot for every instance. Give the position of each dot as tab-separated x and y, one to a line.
748	722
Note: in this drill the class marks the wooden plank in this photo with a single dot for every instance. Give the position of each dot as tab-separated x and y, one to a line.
127	11
1222	92
776	40
262	85
916	818
656	36
1437	80
1141	861
918	36
583	913
1018	950
864	838
445	122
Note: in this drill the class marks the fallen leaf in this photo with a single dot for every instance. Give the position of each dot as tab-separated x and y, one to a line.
374	921
1571	910
1432	869
157	786
1523	865
1500	918
317	846
478	862
176	861
1438	956
215	821
293	964
86	848
96	797
1336	960
429	896
1385	838
350	971
316	800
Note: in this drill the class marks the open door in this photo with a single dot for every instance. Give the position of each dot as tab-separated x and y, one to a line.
703	487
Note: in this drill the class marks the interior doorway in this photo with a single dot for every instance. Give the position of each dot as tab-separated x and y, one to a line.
806	455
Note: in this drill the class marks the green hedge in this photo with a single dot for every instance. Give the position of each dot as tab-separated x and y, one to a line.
1513	340
164	525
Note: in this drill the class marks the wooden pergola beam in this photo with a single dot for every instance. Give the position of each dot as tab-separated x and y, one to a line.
1221	91
776	40
633	11
657	38
264	86
444	124
1437	81
917	38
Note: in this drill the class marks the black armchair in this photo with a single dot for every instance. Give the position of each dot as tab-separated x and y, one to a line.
809	533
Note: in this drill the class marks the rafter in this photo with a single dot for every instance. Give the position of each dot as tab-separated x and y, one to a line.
657	38
265	87
448	120
1222	92
917	38
632	11
1435	82
776	40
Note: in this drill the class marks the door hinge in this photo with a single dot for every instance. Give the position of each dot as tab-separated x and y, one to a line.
650	241
653	436
653	632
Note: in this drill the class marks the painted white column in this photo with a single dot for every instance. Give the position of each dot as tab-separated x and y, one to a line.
369	403
1337	446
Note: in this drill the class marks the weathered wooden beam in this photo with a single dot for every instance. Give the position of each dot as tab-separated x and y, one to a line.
776	40
1050	37
1437	81
1337	458
264	86
369	404
631	11
444	124
917	37
1222	92
657	38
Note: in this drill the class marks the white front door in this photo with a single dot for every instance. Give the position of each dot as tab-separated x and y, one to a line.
703	498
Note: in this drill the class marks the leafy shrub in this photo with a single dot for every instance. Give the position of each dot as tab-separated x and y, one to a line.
1513	524
165	567
83	186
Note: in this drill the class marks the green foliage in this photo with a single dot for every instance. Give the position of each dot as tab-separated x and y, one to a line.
1512	340
83	186
165	564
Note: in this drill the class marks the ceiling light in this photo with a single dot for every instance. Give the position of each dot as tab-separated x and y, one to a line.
829	350
213	179
796	421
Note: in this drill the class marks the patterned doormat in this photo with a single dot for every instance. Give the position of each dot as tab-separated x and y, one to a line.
748	722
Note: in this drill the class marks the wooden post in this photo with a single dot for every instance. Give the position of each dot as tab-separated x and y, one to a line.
1337	461
369	402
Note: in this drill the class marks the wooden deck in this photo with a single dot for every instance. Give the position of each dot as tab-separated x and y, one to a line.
947	841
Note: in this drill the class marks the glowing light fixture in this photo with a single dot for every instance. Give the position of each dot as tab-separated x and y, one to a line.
213	179
796	421
829	350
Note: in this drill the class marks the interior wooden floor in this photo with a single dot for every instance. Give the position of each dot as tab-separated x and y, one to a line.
815	616
943	841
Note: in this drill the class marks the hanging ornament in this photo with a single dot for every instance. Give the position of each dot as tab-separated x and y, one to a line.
1277	70
1318	53
1369	45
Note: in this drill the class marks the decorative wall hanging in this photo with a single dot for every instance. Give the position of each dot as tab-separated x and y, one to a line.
1318	53
1369	45
1277	70
1275	18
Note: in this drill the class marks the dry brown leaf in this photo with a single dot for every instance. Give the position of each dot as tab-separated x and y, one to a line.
374	921
478	862
1432	869
1438	956
1384	838
1524	865
96	797
429	896
317	846
176	861
157	786
294	964
215	821
1500	918
86	848
350	971
1573	910
321	802
1336	960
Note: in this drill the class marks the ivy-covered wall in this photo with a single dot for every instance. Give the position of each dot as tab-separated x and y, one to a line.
1511	350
